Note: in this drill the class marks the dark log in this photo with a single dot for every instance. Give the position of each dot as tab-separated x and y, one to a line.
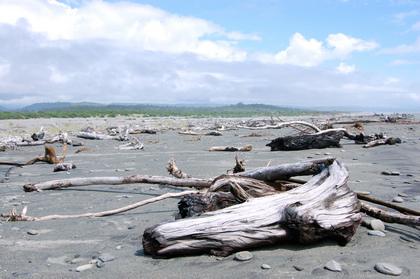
330	138
324	207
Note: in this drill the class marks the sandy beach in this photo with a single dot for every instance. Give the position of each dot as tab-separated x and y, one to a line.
58	248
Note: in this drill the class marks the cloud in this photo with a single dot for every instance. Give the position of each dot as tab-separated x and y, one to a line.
344	68
404	62
402	49
400	18
130	53
142	27
304	52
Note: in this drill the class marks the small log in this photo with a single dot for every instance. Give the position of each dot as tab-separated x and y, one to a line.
231	148
390	217
64	167
322	208
325	139
12	163
214	133
149	179
95	136
284	124
133	145
143	131
390	141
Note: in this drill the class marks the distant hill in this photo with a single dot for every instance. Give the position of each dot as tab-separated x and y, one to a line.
86	106
56	105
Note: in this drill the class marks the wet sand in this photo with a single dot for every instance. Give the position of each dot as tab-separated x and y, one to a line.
56	248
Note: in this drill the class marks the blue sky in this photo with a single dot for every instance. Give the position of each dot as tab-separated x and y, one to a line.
329	53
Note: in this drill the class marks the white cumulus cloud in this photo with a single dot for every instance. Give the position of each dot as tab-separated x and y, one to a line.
311	52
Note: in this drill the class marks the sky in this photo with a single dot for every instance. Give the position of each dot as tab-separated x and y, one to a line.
304	53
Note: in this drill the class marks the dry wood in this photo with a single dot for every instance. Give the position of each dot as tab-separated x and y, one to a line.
135	144
265	173
284	124
231	148
390	217
11	163
175	171
64	167
214	133
143	131
397	207
323	207
14	216
95	136
50	156
324	139
115	180
193	139
390	141
30	143
285	171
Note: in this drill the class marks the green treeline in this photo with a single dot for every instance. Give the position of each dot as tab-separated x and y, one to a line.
85	111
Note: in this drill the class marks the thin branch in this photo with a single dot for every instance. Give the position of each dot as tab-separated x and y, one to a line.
14	216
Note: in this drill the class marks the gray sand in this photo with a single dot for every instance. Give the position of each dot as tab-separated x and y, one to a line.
58	247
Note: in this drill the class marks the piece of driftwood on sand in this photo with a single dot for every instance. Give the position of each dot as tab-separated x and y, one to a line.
323	207
282	125
247	147
50	156
15	216
213	133
324	139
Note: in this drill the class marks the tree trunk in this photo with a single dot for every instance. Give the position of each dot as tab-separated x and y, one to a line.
323	207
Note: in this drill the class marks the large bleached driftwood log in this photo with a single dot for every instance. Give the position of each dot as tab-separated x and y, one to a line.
322	207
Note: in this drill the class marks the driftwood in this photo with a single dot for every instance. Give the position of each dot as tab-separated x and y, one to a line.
14	216
50	157
11	163
390	141
324	139
96	136
323	207
132	145
214	133
283	124
143	131
397	207
231	148
271	173
64	167
116	180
